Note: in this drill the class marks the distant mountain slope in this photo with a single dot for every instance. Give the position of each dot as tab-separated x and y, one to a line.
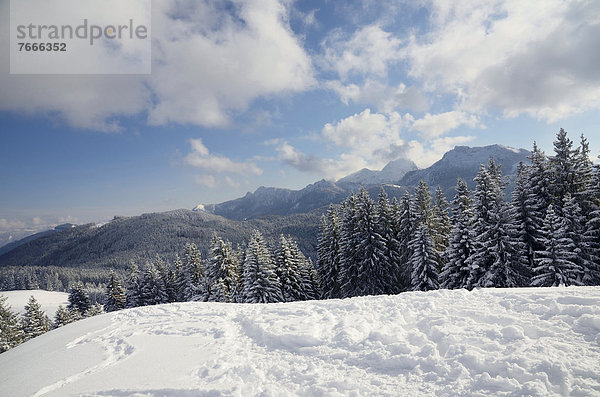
464	162
13	244
143	237
397	176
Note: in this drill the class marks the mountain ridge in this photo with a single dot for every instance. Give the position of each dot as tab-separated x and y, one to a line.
397	177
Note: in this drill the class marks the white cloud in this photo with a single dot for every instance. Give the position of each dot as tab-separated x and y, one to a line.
371	140
206	180
210	181
200	157
432	126
367	52
206	66
385	98
538	58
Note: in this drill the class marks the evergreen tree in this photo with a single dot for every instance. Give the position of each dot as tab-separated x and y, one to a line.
488	203
527	214
133	295
221	268
79	300
555	265
563	170
386	227
423	211
509	267
406	224
190	281
348	276
369	271
94	310
153	291
115	294
288	269
591	239
329	254
583	179
441	226
63	316
35	321
423	261
456	272
168	279
11	331
261	284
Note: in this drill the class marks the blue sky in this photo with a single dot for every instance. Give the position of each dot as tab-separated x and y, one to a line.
284	93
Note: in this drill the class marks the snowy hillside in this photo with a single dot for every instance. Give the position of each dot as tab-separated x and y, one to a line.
543	341
49	300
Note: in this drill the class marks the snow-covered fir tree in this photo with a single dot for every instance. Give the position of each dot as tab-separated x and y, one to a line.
348	276
591	237
63	316
563	170
35	321
329	254
79	300
441	225
153	291
456	271
528	212
423	261
221	270
386	226
133	288
555	265
288	269
261	284
115	294
11	331
368	272
509	267
168	279
584	178
488	200
422	204
190	279
406	224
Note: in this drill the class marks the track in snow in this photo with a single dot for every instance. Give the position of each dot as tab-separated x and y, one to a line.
493	341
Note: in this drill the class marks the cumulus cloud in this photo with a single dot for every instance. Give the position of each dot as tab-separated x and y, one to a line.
431	126
200	157
207	64
368	51
538	58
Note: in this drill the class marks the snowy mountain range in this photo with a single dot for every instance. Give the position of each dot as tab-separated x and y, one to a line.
397	177
485	342
273	211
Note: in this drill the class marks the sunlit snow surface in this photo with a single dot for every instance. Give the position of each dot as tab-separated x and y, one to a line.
49	300
542	341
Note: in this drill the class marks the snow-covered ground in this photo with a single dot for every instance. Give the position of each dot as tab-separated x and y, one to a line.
543	341
49	300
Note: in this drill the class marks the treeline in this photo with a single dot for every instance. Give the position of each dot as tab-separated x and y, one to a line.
51	278
15	329
256	274
546	234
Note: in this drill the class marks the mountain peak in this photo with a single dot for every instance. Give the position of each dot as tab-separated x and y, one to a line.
391	173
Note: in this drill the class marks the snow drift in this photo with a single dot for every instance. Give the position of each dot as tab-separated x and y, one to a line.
529	341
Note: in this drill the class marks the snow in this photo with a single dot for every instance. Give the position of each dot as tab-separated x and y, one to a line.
49	300
528	341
